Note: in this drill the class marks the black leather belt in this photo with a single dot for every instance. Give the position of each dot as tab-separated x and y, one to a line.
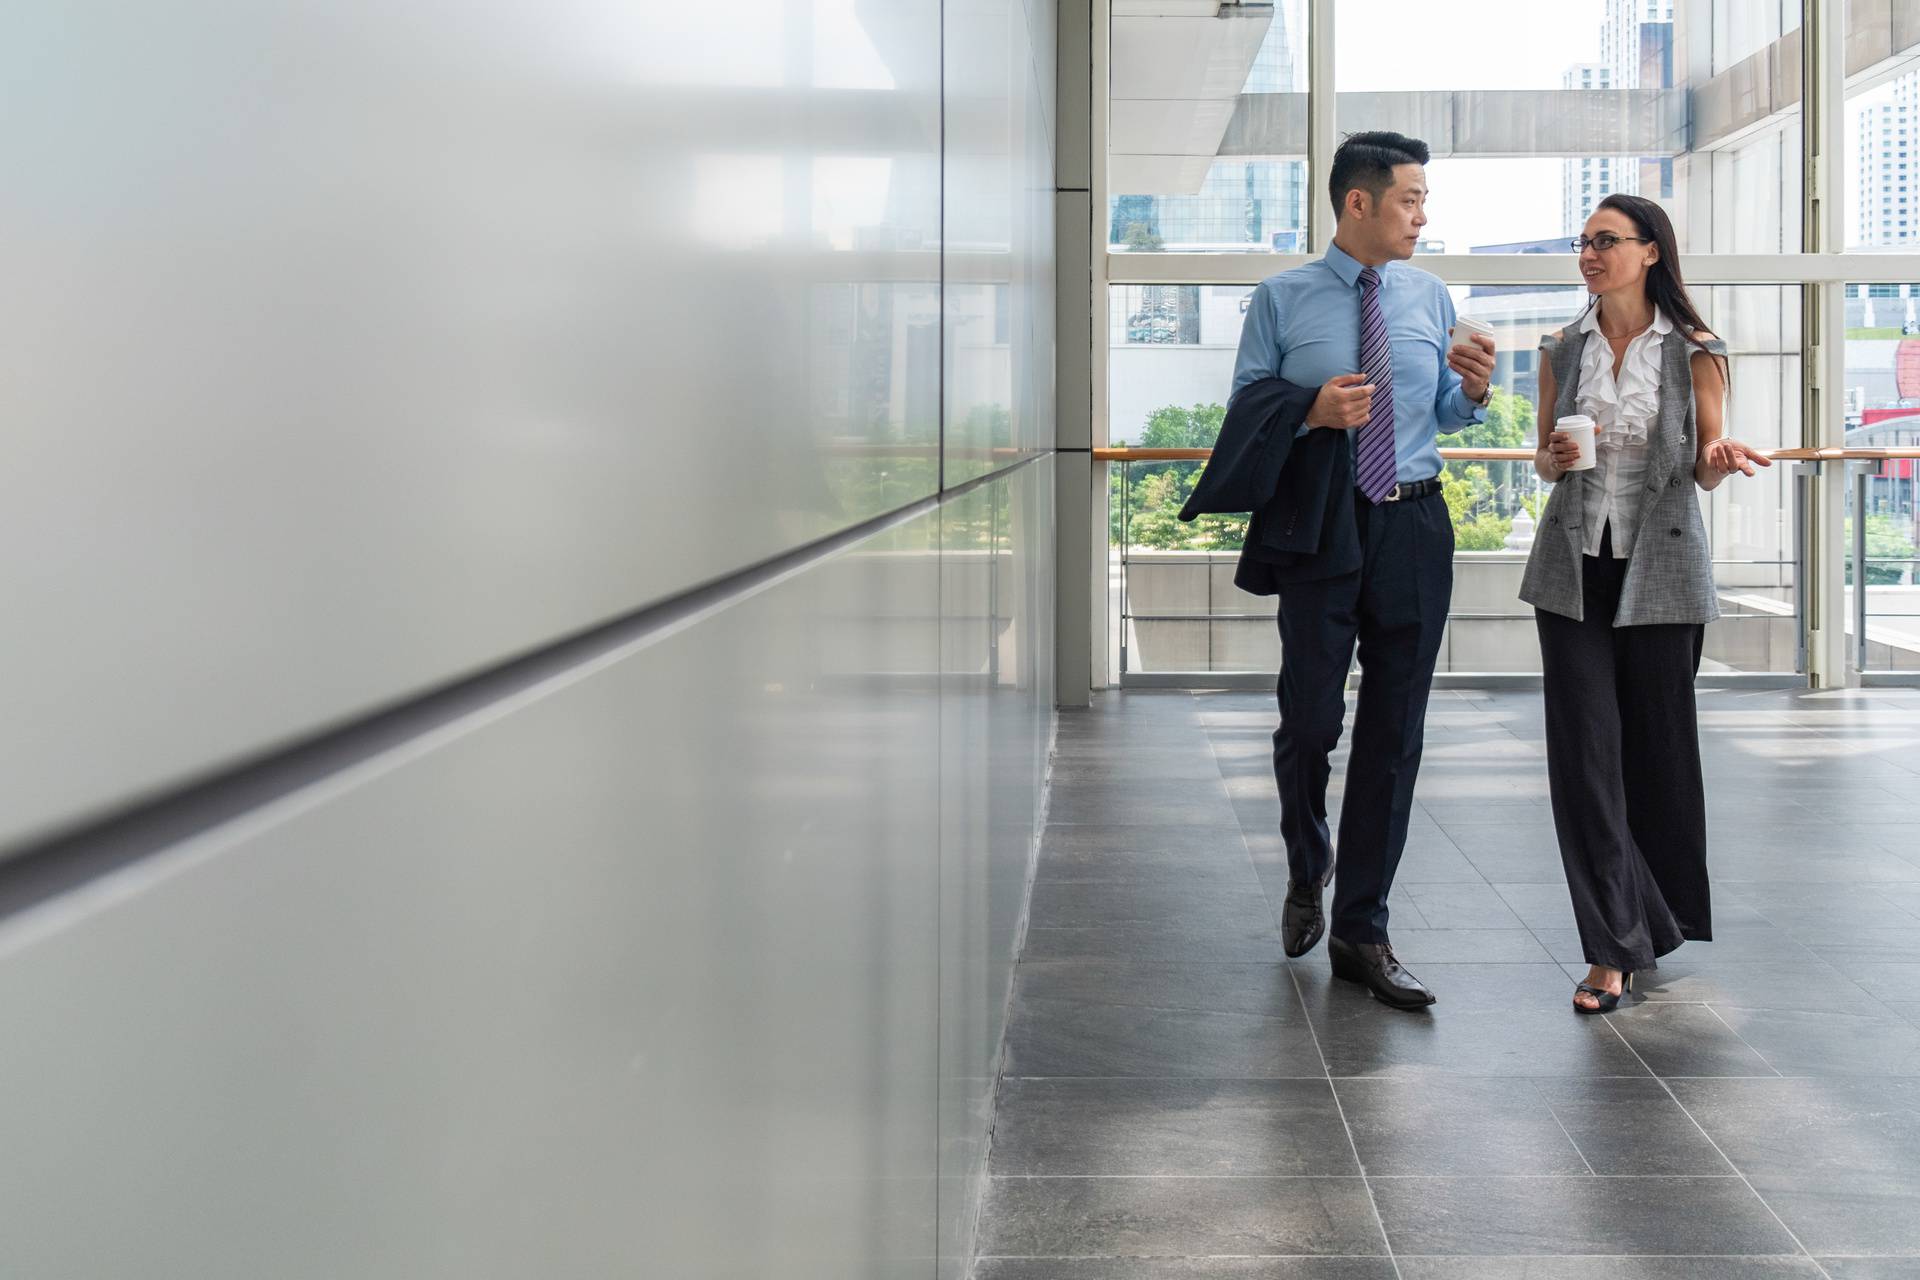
1412	489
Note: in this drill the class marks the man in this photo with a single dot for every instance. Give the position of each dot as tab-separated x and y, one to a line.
1355	538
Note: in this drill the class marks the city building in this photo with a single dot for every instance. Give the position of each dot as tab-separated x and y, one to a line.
1241	204
1636	51
1586	180
1886	150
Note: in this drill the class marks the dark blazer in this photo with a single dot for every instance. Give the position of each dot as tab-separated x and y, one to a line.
1298	487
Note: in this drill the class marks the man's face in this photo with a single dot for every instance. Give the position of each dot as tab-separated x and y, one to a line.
1392	224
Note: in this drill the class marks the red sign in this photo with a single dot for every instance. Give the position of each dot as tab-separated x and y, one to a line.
1897	468
1906	367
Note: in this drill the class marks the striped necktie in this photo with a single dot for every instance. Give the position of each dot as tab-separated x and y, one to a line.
1376	466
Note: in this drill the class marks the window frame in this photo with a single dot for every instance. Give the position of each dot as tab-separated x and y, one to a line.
1822	270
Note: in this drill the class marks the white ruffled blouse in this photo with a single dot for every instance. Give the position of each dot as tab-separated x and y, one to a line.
1623	410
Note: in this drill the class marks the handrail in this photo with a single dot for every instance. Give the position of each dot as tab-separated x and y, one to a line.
1201	455
1830	454
1834	454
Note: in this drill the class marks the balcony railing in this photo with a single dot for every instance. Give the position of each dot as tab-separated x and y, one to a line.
1179	618
1883	591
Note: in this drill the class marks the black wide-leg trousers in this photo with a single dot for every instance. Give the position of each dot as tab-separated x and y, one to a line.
1394	608
1623	763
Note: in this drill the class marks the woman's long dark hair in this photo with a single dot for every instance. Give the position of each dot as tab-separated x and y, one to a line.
1664	287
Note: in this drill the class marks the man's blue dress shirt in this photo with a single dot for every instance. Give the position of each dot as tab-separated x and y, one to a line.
1304	325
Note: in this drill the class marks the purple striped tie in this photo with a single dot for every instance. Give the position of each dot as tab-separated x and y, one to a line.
1376	466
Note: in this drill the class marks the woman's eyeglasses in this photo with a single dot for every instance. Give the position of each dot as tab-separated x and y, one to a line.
1605	241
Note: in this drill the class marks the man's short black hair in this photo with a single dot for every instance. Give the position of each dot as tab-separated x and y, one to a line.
1366	161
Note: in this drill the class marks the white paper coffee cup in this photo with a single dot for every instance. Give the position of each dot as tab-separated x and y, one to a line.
1579	427
1465	329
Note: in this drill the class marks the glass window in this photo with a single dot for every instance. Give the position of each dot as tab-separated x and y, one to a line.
1188	92
1882	398
1159	314
1524	166
1743	28
1182	609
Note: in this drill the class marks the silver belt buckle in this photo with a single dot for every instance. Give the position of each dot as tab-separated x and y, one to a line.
1393	494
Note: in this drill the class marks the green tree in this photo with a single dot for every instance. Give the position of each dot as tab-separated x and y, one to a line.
1886	540
1219	532
1482	533
1499	488
1481	497
1154	520
1508	425
1468	491
1194	427
1160	489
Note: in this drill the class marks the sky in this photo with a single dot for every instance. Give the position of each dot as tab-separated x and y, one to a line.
1472	44
1462	44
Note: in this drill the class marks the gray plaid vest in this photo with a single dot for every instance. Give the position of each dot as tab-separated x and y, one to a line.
1670	571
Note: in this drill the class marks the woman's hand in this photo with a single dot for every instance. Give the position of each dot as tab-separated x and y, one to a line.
1562	451
1725	456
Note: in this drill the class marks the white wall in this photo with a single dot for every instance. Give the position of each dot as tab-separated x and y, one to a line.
352	351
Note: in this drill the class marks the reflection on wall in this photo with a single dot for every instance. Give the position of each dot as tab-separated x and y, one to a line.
999	228
644	975
996	643
489	327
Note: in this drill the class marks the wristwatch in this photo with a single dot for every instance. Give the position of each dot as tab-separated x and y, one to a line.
1486	397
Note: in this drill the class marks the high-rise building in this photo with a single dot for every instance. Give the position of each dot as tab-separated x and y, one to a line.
1636	51
1242	202
1584	180
1622	44
1887	210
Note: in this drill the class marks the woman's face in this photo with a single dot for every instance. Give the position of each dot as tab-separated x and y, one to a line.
1625	264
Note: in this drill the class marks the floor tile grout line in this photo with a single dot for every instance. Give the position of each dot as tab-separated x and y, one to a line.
1247	852
1455	1077
1548	1104
1742	1039
1842	974
1541	943
1246	821
1533	1257
1174	1008
1293	977
1376	1177
1695	1122
1340	1108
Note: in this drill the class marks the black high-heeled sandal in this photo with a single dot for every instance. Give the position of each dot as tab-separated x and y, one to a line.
1604	1001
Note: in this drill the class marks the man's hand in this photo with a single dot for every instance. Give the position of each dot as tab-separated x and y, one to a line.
1474	365
1344	403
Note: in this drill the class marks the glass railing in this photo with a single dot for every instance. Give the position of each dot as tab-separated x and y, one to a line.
1882	566
1175	610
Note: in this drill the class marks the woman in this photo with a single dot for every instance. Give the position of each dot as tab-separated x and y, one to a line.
1622	585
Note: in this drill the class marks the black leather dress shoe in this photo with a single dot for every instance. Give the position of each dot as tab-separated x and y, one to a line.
1373	966
1301	920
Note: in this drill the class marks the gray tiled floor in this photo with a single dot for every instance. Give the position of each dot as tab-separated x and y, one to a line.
1183	1102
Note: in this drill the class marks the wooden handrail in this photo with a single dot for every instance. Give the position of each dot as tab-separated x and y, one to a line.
1201	455
1151	455
1835	454
1830	454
